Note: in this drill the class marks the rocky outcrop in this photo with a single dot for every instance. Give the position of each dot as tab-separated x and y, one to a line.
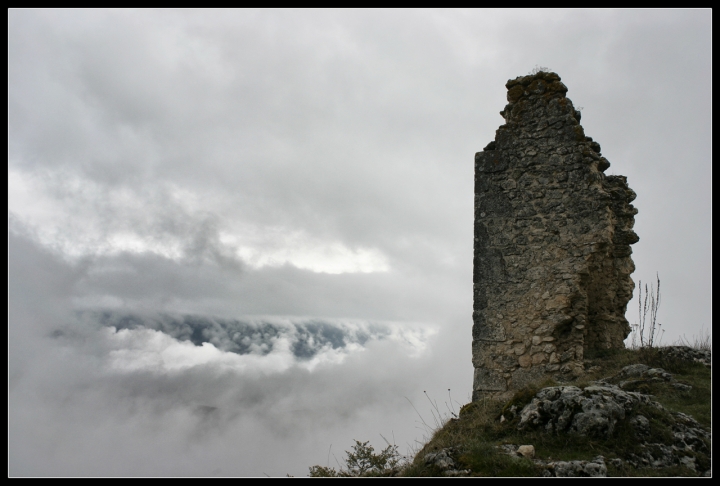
600	409
552	244
593	411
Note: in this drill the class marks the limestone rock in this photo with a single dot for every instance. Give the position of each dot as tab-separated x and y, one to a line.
593	411
686	353
552	243
596	410
640	425
682	387
631	376
567	469
634	370
526	451
441	459
657	374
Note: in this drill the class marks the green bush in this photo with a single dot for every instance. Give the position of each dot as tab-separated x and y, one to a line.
363	461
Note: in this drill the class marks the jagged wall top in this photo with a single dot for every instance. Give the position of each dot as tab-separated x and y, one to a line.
537	106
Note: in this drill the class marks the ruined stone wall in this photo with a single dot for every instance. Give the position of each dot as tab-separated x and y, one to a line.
552	252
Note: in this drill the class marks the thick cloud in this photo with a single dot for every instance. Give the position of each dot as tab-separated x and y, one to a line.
104	393
238	237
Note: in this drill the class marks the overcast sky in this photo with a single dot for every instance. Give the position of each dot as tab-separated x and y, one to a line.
239	240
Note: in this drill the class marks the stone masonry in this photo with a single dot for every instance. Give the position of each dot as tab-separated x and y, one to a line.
551	276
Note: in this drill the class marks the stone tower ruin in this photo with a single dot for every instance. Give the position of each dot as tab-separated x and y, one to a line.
551	269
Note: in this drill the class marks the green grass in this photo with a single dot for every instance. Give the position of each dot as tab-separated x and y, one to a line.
484	460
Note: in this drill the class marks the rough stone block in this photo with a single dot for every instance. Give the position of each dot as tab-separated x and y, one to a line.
488	381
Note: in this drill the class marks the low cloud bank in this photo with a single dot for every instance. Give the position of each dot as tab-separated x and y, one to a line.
115	392
305	338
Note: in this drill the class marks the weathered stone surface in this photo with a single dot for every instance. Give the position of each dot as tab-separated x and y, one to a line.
593	411
441	459
634	370
682	387
686	353
632	376
594	468
552	262
569	469
596	411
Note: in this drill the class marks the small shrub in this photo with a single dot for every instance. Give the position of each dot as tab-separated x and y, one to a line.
363	461
322	472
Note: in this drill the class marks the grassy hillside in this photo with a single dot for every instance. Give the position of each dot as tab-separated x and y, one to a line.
483	439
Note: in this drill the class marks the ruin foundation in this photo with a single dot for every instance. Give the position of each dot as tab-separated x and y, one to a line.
552	264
